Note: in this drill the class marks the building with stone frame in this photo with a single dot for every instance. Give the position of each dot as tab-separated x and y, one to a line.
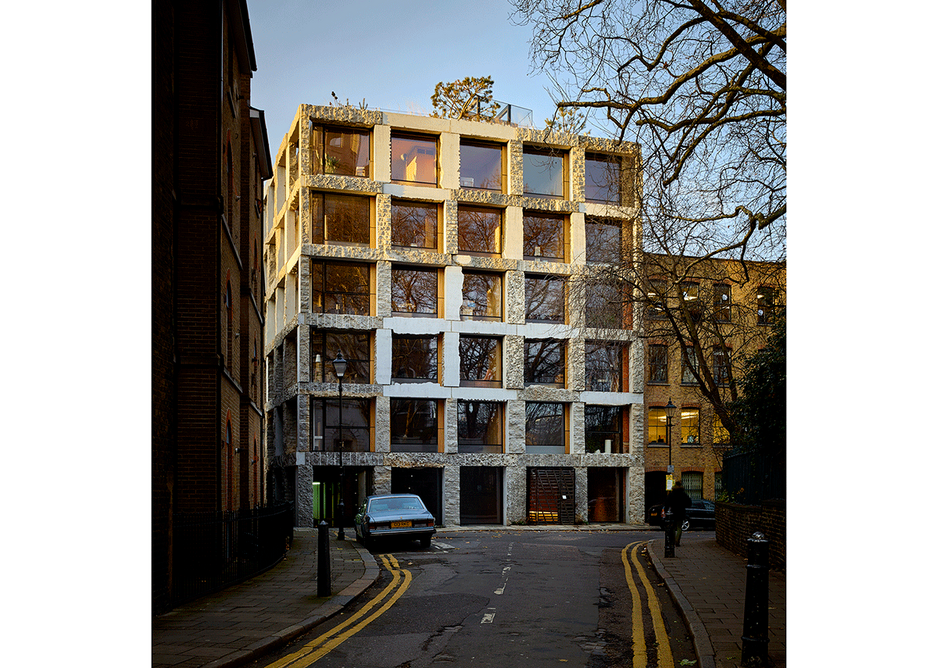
441	258
733	305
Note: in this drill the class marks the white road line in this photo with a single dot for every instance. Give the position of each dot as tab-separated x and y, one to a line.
488	617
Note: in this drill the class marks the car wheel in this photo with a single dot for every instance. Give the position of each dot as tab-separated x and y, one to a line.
424	542
686	525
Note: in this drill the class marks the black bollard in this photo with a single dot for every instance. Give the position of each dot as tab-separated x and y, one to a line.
668	535
324	564
755	629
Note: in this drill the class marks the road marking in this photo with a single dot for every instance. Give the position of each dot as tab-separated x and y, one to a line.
664	653
504	572
488	617
316	649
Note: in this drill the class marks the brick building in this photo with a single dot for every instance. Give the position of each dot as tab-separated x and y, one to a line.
210	157
732	306
441	258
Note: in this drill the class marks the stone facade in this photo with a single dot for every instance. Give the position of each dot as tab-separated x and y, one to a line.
301	390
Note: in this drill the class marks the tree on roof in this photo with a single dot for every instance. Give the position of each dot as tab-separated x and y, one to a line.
469	98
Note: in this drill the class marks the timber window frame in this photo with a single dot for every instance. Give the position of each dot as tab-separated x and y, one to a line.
342	151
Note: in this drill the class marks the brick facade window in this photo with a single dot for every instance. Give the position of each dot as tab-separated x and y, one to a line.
657	363
689	426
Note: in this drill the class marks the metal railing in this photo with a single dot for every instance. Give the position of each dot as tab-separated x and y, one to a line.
752	477
212	551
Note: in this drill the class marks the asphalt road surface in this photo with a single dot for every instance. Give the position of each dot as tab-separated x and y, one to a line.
505	598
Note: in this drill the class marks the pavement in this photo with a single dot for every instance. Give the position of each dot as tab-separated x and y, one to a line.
246	621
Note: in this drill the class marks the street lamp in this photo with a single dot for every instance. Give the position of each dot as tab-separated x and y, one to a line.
339	364
670	410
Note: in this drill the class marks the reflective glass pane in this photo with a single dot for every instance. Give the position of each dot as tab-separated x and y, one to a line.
479	426
543	173
603	240
414	358
603	178
413	291
544	237
341	287
545	361
413	224
479	230
603	429
479	360
413	159
545	299
546	426
340	219
604	366
480	167
481	296
413	425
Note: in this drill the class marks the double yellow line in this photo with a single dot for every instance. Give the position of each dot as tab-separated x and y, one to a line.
664	655
315	650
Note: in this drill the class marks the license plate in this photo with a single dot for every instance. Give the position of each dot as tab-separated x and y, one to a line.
401	524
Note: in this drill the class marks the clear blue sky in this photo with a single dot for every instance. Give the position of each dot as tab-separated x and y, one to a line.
392	54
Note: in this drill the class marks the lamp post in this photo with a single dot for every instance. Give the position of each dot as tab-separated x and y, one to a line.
670	410
339	364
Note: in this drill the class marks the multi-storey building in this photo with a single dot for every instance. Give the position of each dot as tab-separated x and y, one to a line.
731	306
441	259
210	157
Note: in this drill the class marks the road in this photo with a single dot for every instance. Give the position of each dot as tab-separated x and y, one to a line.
505	598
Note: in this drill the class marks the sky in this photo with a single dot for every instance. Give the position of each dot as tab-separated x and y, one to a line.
390	54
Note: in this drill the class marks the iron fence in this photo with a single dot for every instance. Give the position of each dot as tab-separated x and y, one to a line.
212	551
752	477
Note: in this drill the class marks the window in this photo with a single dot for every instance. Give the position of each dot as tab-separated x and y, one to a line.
482	166
343	151
766	305
354	346
544	236
480	361
545	299
480	426
414	292
414	425
340	220
414	225
481	296
717	483
603	240
692	484
341	287
605	361
690	363
721	366
657	298
414	358
479	230
656	426
544	173
355	427
689	292
545	362
722	302
546	428
720	433
604	305
657	363
689	426
605	429
413	159
603	178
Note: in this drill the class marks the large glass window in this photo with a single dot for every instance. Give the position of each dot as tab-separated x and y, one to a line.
482	166
657	363
481	296
341	220
605	364
344	151
720	433
689	426
692	484
414	225
544	236
545	299
689	292
656	426
722	302
480	426
413	159
605	429
414	425
341	287
766	305
545	362
603	240
604	305
603	178
544	173
690	364
355	425
546	428
414	358
479	230
480	360
721	366
354	346
414	292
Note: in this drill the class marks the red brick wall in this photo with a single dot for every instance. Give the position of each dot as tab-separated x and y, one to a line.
736	523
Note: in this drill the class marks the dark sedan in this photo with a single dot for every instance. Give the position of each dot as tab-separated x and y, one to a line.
387	515
702	514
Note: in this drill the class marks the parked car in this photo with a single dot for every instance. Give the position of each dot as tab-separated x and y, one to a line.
386	515
702	514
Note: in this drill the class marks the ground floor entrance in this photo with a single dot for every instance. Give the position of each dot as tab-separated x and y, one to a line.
328	492
606	494
481	494
424	482
551	495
